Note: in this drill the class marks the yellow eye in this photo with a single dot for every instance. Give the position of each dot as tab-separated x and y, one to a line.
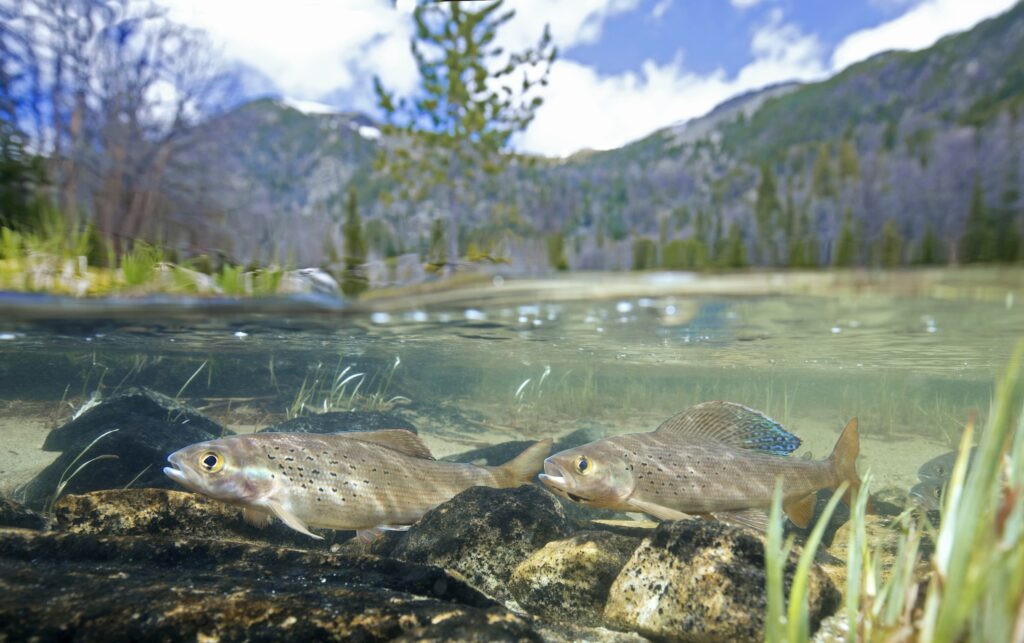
211	462
584	465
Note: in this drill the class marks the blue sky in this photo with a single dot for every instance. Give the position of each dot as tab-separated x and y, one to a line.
627	67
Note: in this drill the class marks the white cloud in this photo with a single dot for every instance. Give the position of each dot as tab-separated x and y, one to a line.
920	27
583	109
744	4
659	10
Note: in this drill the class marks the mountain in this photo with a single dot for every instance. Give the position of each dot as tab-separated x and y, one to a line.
901	158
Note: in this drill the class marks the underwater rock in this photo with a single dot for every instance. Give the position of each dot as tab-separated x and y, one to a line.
568	580
15	514
703	580
149	427
570	633
137	410
484	533
340	422
130	588
163	512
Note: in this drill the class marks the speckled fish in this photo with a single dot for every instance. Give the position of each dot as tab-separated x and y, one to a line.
364	481
715	459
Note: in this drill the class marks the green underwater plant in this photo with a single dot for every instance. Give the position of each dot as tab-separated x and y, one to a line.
344	391
65	478
973	583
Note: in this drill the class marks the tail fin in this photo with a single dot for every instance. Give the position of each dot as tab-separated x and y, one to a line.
523	468
844	462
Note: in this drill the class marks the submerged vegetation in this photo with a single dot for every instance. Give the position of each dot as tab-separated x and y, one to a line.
344	390
972	585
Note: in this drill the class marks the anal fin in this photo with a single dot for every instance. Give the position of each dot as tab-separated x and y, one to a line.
755	519
290	519
801	510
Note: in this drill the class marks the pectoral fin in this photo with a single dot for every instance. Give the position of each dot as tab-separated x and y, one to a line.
658	511
290	519
372	534
801	510
256	517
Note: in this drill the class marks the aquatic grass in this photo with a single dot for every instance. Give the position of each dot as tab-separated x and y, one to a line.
974	582
344	391
791	622
62	483
233	280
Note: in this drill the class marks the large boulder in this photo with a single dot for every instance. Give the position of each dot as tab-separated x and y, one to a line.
483	534
142	428
163	512
57	586
703	580
495	454
340	422
568	580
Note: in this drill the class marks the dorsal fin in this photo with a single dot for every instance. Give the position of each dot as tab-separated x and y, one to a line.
399	440
732	424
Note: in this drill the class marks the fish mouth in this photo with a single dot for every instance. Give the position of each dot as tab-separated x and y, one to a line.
175	473
555	479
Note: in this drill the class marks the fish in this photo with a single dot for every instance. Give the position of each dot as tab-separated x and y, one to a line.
928	494
716	459
940	467
366	481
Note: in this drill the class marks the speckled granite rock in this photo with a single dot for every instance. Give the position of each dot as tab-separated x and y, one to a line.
57	586
568	580
162	512
483	534
702	580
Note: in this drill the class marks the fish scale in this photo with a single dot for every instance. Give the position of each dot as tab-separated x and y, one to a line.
361	481
716	459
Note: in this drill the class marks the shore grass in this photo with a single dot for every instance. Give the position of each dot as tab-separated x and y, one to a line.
972	587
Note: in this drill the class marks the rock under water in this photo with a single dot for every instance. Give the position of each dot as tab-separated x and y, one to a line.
149	427
568	580
484	533
130	588
703	580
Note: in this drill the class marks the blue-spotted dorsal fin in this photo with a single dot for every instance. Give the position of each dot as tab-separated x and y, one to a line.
732	424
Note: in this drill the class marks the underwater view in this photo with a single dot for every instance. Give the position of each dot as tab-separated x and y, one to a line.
94	404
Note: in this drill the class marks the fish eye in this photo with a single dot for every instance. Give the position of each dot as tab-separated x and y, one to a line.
584	465
211	462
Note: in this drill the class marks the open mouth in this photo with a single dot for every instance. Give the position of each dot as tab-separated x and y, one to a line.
554	478
174	473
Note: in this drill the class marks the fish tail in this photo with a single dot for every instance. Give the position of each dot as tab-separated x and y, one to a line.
523	468
844	462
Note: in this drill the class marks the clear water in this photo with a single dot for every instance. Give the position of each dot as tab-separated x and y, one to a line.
488	369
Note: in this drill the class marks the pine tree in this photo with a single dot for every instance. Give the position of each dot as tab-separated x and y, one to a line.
735	255
437	255
354	279
556	251
929	251
766	211
821	176
352	230
473	97
849	162
845	253
889	252
978	242
1008	242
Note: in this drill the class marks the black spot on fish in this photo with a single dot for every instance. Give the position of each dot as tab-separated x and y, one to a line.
334	475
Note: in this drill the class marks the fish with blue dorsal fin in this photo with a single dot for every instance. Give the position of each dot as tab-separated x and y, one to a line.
715	459
364	481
